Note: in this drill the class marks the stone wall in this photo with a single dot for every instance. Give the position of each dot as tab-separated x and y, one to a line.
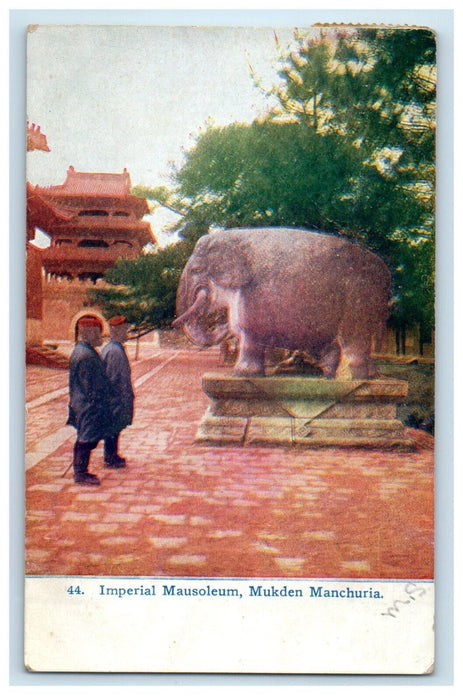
63	302
34	300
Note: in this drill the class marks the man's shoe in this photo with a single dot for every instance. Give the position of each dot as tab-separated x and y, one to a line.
115	462
86	478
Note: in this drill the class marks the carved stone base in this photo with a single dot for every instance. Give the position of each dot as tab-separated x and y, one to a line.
303	411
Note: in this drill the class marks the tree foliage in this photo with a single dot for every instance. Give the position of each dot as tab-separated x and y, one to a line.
144	289
268	173
160	195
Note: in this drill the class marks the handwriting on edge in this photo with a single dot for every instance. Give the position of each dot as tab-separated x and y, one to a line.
412	591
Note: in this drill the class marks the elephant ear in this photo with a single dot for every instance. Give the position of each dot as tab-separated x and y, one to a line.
228	263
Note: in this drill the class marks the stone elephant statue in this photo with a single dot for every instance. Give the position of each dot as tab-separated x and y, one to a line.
287	288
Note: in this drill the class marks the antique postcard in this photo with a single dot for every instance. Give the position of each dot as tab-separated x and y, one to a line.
230	292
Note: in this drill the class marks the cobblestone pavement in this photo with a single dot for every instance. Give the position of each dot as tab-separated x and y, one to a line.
184	509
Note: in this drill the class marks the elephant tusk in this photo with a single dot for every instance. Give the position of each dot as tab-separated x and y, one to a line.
199	301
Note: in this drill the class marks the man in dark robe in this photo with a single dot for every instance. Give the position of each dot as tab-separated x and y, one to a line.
121	399
89	410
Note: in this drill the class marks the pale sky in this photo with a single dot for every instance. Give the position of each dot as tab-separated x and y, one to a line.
115	97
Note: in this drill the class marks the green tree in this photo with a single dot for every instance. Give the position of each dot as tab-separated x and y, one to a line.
392	109
144	289
161	196
268	173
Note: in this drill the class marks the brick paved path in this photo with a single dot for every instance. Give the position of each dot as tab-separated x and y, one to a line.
181	509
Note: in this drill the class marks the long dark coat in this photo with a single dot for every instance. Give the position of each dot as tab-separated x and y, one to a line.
89	391
120	380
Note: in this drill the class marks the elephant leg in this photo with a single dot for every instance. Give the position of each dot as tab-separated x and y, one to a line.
359	360
329	358
251	359
373	371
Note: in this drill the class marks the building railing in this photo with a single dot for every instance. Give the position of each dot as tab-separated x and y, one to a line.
51	282
70	253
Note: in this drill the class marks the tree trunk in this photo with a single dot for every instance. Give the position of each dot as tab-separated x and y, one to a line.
400	340
403	338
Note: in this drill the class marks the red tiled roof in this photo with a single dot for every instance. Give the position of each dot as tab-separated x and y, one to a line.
91	184
41	213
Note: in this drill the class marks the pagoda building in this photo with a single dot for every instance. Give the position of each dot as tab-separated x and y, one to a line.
104	223
39	214
92	220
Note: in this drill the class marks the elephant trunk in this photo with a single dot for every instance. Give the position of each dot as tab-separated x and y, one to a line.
200	322
195	308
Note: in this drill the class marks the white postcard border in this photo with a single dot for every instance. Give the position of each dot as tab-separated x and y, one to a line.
210	625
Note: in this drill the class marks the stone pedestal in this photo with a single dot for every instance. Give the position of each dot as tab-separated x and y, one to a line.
303	411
